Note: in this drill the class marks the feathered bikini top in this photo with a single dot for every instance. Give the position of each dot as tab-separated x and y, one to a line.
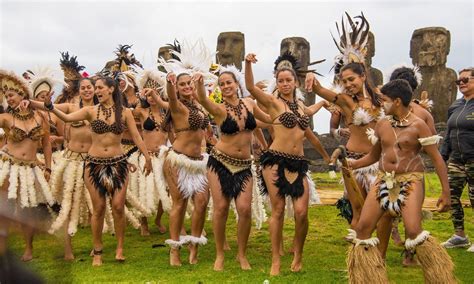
364	116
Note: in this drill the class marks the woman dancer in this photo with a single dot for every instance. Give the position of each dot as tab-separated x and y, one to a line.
106	167
229	164
148	190
283	166
23	181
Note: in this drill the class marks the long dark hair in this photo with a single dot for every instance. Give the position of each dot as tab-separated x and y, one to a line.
407	74
68	92
95	100
117	97
360	70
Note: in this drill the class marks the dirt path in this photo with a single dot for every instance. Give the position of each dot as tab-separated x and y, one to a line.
329	197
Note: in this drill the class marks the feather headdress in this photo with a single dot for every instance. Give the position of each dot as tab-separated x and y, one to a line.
352	41
70	67
190	58
153	79
288	60
42	79
9	81
125	65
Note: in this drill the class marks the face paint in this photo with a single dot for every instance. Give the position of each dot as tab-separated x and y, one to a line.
387	106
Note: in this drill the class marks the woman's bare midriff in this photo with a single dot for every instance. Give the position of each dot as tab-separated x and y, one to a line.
22	150
154	139
105	145
236	146
189	142
287	140
358	141
80	139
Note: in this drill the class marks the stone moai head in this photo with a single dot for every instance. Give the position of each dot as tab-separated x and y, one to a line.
231	49
298	46
430	46
164	52
370	49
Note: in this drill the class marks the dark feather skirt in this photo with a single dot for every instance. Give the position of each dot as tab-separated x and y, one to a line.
107	174
231	184
293	164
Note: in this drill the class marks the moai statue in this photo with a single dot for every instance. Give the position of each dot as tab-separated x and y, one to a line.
164	52
429	49
375	74
299	47
230	49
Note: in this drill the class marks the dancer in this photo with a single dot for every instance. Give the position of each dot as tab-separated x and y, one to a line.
229	165
106	167
148	190
398	190
184	164
284	168
23	181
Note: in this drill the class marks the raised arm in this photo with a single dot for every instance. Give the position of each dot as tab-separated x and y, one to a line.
217	112
171	91
265	99
312	84
161	103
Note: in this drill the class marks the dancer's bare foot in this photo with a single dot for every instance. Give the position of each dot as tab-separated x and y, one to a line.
144	231
226	246
275	270
27	256
174	257
244	263
68	256
219	263
297	264
97	257
193	251
409	259
161	228
119	255
396	237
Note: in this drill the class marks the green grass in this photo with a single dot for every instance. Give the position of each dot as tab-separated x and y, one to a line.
324	254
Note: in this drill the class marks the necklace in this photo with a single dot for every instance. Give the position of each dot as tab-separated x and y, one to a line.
400	122
292	105
106	111
236	109
21	115
152	117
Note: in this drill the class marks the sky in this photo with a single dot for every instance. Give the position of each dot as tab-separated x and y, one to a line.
32	33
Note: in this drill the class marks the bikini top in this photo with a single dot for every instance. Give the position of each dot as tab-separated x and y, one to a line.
196	121
365	115
230	126
16	134
53	130
291	119
150	123
99	126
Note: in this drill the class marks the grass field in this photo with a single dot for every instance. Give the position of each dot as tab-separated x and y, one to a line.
324	254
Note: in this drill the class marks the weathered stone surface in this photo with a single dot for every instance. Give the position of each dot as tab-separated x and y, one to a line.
429	49
299	47
375	74
231	49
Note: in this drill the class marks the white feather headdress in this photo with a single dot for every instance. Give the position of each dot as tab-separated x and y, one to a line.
352	40
154	79
42	79
192	58
238	75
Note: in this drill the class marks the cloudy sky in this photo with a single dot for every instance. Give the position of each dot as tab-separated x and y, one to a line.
34	32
